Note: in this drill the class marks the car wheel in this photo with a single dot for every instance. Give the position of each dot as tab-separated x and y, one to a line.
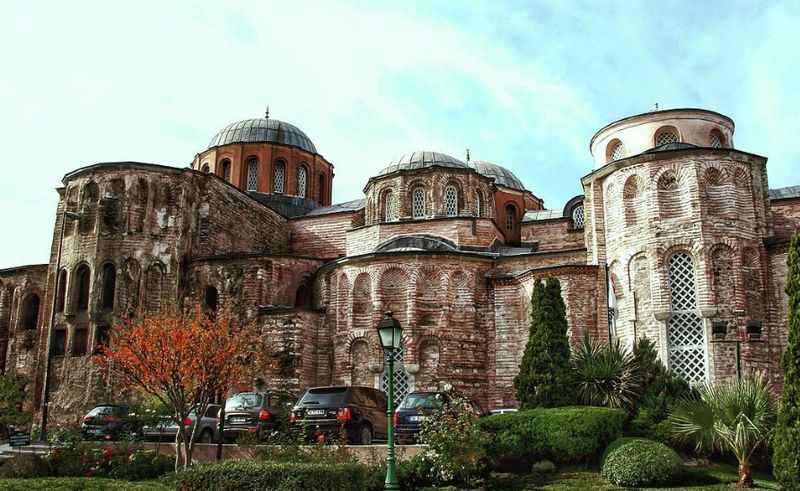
366	435
206	437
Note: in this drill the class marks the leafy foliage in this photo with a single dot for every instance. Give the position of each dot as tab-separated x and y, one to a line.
639	462
737	416
545	378
607	374
12	394
786	456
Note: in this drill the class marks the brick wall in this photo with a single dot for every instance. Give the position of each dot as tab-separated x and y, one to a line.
322	236
553	235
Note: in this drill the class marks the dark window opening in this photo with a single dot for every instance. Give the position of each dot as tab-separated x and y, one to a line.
321	188
102	336
80	342
30	312
205	169
82	276
61	293
109	286
211	298
59	342
226	170
303	296
511	218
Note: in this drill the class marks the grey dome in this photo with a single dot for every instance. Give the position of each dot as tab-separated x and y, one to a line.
422	160
263	131
500	174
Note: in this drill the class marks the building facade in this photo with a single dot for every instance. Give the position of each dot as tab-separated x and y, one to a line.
677	237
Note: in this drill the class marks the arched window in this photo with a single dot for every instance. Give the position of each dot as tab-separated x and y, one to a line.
389	206
418	203
279	180
90	196
30	311
685	334
211	299
252	174
451	200
666	135
61	293
511	217
321	189
577	217
615	151
109	286
205	169
478	204
226	170
716	140
154	284
302	297
82	281
80	341
302	178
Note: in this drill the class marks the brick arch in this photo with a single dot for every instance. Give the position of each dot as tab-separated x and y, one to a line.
394	292
428	357
634	187
753	282
342	304
359	355
614	277
721	267
154	283
129	285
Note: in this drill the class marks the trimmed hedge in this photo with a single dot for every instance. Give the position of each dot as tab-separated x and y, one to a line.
232	475
564	435
635	462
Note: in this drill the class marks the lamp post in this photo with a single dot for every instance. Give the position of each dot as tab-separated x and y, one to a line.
390	333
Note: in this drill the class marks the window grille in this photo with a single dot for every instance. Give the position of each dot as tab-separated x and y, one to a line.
716	140
301	181
478	204
390	207
418	203
252	175
577	216
511	218
280	177
451	200
685	334
666	136
617	151
402	384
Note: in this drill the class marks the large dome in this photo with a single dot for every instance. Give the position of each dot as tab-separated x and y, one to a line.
263	130
501	175
422	160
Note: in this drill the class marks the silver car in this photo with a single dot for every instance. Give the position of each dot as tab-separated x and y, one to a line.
167	429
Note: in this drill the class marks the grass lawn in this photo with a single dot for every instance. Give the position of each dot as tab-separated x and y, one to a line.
80	483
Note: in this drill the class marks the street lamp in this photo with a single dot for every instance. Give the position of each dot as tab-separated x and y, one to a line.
390	333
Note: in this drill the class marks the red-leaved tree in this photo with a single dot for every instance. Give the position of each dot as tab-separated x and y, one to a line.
183	360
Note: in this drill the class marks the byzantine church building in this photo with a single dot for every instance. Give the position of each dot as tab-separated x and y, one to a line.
676	237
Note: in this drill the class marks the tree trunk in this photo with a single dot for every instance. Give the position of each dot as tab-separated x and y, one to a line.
745	475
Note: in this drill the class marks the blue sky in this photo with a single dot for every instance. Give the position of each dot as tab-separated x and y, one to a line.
522	84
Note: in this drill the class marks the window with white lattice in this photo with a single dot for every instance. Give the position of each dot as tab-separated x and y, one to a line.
686	336
302	179
717	140
577	217
252	174
478	204
402	382
389	207
279	180
666	135
418	203
450	200
615	151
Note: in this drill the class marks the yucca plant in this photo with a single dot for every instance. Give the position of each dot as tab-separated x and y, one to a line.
606	374
736	416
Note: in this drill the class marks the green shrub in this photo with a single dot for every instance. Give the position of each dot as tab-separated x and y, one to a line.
606	374
25	466
278	476
141	464
639	462
564	435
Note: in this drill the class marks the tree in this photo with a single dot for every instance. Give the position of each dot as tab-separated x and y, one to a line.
182	360
737	416
606	374
786	456
12	397
545	375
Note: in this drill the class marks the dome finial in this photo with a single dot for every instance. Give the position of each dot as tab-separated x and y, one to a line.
266	114
468	155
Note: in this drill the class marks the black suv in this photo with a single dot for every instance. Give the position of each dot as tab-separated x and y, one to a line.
357	414
109	422
416	408
256	413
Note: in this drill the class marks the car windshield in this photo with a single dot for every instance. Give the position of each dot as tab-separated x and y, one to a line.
104	411
245	400
325	396
422	401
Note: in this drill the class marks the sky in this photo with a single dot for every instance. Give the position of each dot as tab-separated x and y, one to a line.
521	84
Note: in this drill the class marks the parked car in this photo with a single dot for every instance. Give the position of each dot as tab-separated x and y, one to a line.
256	413
415	408
110	422
167	429
357	414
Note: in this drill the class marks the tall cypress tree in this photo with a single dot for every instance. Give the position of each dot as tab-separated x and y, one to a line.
545	376
786	456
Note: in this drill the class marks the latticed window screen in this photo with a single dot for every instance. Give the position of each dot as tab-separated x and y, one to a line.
390	207
617	151
478	204
252	175
280	177
302	175
577	216
716	141
402	385
451	200
418	203
686	334
666	136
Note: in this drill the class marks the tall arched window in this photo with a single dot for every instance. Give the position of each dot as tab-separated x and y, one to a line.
511	217
577	217
82	281
302	179
666	135
389	206
451	200
109	286
226	170
252	174
321	190
615	151
279	179
61	293
418	203
686	335
30	311
211	298
478	204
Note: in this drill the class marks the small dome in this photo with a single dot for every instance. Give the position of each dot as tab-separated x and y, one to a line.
501	175
422	160
263	130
